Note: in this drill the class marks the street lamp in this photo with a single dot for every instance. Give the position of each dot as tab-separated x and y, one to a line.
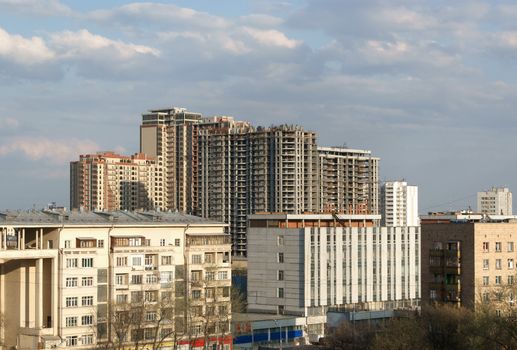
280	332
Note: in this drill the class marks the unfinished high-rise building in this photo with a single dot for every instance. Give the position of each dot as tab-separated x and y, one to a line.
348	181
225	170
110	181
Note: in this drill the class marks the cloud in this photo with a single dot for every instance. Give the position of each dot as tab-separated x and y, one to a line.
156	13
36	7
53	150
272	38
77	44
25	51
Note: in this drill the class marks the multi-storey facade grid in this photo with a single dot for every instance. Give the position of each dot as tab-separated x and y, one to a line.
70	279
109	181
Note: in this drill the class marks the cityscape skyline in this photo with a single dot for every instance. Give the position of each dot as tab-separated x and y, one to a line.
422	86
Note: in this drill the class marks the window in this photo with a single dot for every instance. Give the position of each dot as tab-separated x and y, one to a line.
498	247
486	280
498	264
71	340
280	257
87	262
510	246
100	243
510	279
226	292
486	247
195	276
162	242
433	295
196	294
87	339
167	260
151	279
165	278
280	292
87	300
485	297
121	260
120	279
121	298
87	281
67	244
150	316
71	301
71	282
209	275
177	242
70	263
210	292
280	240
222	309
497	280
196	259
209	258
222	275
136	279
510	263
137	261
485	264
87	320
280	275
71	321
151	296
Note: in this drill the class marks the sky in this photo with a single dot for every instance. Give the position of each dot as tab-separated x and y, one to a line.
429	86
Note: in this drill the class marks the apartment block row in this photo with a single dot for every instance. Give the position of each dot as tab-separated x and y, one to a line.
88	279
224	169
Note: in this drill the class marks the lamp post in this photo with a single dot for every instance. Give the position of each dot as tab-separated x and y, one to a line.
279	333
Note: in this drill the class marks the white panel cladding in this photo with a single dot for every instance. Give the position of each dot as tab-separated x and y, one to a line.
338	266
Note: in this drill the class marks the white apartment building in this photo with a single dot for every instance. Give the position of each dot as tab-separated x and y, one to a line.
305	264
399	202
496	201
83	279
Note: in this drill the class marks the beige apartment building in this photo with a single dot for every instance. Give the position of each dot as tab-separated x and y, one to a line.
85	279
110	181
466	257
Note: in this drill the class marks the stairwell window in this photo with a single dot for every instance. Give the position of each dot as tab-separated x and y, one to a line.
280	257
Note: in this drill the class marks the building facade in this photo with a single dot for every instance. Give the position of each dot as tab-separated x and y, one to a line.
305	264
464	259
110	181
399	203
496	201
84	279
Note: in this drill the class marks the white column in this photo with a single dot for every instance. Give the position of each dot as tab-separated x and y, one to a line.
55	294
41	240
37	238
23	239
23	293
18	235
4	238
39	293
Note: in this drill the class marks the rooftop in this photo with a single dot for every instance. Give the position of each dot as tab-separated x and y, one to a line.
60	217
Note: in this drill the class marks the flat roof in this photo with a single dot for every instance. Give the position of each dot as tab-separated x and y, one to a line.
323	216
100	218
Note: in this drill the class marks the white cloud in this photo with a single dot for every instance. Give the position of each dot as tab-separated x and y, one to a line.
36	7
272	38
26	51
53	150
76	44
150	13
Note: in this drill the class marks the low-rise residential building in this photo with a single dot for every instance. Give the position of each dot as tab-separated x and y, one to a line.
305	264
466	256
82	279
